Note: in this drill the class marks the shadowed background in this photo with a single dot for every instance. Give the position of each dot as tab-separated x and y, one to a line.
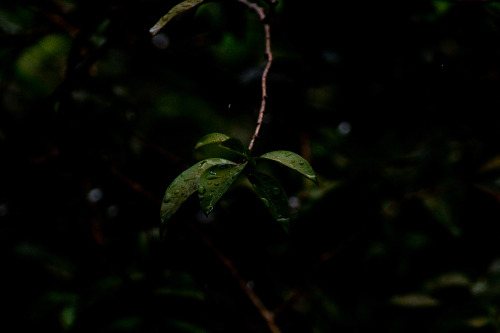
393	103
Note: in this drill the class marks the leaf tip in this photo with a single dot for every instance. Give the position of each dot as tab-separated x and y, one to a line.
285	224
207	210
154	30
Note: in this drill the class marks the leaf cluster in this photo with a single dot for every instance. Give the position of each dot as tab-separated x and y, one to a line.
212	177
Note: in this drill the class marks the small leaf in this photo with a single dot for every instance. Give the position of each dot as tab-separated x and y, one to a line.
222	140
293	161
215	181
176	10
211	138
273	196
185	185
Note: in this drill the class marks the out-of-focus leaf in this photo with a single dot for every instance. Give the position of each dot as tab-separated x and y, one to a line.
215	181
293	161
176	10
41	66
222	140
414	300
273	196
442	211
448	280
185	185
491	165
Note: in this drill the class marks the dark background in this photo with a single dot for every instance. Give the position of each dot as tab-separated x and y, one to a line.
394	103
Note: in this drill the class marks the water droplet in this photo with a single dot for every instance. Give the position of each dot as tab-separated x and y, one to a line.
292	161
166	200
344	128
95	195
301	162
212	175
276	191
265	201
216	184
201	190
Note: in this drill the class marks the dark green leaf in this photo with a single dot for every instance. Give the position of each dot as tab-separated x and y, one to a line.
226	142
211	138
293	161
215	181
273	196
176	10
185	185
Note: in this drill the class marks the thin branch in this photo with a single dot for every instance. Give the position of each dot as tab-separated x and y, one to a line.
267	315
269	55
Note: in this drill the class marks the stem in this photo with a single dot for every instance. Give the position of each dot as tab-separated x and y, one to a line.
269	55
266	315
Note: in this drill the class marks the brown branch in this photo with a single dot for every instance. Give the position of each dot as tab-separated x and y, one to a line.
269	55
267	315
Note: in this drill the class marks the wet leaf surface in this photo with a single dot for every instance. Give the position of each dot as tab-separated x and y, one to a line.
185	185
273	196
215	181
293	161
222	140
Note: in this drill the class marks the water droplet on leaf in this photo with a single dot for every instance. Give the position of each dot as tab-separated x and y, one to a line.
201	190
276	191
265	202
211	175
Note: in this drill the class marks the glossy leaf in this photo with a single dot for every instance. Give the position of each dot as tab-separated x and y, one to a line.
211	138
176	10
293	161
226	142
185	185
273	196
215	181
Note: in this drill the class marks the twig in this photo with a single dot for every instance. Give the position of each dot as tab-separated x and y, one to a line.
267	315
269	55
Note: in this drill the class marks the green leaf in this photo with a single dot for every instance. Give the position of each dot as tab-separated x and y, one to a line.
215	181
293	161
176	10
222	140
211	138
272	194
185	185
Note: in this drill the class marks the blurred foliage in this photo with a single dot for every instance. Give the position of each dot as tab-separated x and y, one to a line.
394	103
